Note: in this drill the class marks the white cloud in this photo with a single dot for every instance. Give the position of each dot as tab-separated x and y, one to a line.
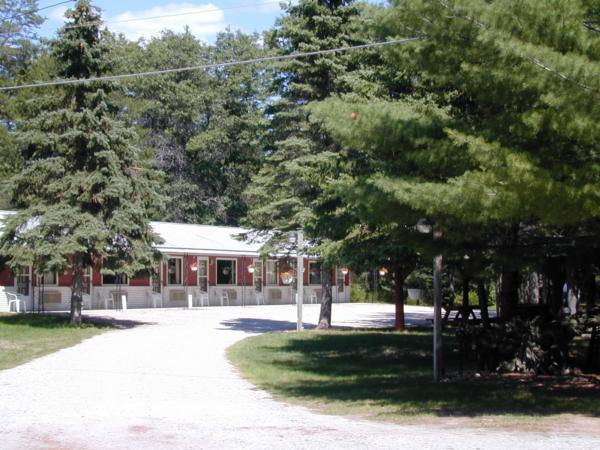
58	13
204	20
270	6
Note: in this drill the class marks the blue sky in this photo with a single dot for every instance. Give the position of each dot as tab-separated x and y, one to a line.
205	18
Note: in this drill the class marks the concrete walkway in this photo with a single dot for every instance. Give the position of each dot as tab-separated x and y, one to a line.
165	383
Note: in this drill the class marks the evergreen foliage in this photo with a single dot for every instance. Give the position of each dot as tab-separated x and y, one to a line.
84	193
495	141
300	158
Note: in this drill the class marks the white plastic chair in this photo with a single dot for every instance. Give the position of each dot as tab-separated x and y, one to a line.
260	299
202	297
224	297
109	299
153	299
13	299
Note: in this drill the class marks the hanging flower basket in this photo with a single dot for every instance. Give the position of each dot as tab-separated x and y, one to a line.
287	277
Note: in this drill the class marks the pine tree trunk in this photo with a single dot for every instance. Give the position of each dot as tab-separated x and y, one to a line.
509	293
483	303
326	298
465	300
588	290
77	290
399	278
556	277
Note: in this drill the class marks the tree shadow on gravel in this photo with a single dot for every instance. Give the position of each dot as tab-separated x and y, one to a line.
255	326
392	371
61	320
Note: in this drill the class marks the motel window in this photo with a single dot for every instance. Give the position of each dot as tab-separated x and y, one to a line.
156	274
257	276
87	280
271	269
314	272
23	280
174	270
225	271
203	274
114	278
340	280
48	279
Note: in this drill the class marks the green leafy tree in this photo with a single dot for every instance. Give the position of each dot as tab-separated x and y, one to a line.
18	23
18	49
203	127
495	140
84	192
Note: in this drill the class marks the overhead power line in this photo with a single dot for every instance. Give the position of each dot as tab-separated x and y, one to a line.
208	66
52	6
162	16
35	11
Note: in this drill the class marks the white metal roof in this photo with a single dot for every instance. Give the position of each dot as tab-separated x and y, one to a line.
3	215
203	239
196	239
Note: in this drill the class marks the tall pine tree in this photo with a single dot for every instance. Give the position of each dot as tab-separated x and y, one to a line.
84	193
300	157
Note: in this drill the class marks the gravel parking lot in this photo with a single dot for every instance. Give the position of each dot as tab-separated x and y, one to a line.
164	382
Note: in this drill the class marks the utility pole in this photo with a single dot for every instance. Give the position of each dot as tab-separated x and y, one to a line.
299	278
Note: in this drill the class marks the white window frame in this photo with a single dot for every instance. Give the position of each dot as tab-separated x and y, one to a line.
276	272
310	263
340	279
87	280
257	276
26	274
235	280
202	259
180	258
40	276
126	283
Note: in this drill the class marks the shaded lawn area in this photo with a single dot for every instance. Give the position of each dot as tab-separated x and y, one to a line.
388	375
24	337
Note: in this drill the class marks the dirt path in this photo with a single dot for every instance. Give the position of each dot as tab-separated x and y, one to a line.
167	384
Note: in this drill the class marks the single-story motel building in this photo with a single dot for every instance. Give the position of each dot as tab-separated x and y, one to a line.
203	266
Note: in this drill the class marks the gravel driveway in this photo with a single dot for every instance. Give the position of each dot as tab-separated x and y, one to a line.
165	383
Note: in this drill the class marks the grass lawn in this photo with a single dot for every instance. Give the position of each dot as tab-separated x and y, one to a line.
387	376
24	337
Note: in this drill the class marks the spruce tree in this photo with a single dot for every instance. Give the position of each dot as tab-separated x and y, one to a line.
84	194
300	157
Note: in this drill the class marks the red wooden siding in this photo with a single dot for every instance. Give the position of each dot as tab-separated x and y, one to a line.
305	275
190	277
66	278
6	277
244	278
333	276
212	271
140	281
96	276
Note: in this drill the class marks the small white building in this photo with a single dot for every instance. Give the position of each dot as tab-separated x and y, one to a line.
203	266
